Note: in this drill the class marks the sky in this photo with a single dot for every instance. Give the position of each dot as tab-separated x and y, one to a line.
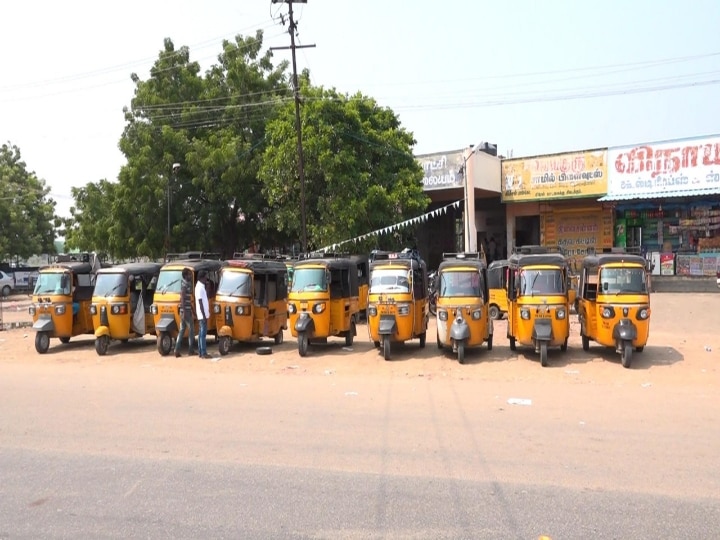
532	77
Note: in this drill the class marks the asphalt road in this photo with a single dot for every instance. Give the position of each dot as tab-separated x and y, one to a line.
342	444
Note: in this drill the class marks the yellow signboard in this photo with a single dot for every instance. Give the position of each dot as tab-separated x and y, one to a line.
557	176
575	232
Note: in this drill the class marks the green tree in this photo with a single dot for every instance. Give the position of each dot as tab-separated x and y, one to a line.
91	220
27	213
360	173
214	128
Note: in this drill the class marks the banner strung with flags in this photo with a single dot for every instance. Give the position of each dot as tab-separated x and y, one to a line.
396	226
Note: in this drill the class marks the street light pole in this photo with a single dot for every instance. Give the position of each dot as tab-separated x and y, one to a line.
466	189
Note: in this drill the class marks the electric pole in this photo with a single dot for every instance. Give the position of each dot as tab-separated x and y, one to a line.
298	126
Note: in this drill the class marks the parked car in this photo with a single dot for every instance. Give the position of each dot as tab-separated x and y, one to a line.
7	283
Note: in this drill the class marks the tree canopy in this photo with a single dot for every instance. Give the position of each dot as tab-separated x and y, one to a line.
26	211
215	157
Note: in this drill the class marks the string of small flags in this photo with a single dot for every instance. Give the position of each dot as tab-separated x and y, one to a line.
397	226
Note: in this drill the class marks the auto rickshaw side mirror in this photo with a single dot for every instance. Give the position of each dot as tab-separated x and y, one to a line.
63	282
605	285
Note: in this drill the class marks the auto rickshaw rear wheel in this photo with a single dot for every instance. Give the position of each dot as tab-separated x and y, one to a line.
302	343
423	337
627	354
164	343
386	347
64	340
543	354
513	346
42	342
489	342
101	345
279	337
585	342
224	345
350	335
563	347
494	312
377	344
461	351
639	349
439	343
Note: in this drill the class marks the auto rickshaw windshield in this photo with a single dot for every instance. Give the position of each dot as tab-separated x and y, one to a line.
235	284
541	282
623	280
111	285
309	279
389	280
52	283
169	281
461	283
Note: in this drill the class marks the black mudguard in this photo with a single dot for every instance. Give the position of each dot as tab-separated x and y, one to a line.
625	330
542	330
305	323
166	324
387	325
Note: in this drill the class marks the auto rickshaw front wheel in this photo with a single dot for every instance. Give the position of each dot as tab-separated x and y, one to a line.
460	345
42	342
302	343
494	312
350	335
164	343
543	354
386	347
224	345
626	354
101	345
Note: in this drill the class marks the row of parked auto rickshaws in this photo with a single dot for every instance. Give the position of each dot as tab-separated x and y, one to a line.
319	296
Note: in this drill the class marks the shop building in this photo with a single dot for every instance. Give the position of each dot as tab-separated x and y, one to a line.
665	198
552	200
448	176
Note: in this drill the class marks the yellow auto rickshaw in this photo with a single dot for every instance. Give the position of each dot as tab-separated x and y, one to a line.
166	300
363	271
398	299
614	303
121	302
251	301
61	299
539	303
497	285
462	309
323	300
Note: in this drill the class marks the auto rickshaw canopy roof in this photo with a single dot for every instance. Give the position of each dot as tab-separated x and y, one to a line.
498	264
134	268
457	264
76	267
332	263
195	264
538	259
259	266
592	262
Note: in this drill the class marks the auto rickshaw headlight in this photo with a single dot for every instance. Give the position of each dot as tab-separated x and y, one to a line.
292	309
319	307
217	308
119	309
608	313
525	314
153	309
31	310
403	309
625	312
372	311
93	309
60	309
560	313
643	314
476	315
442	314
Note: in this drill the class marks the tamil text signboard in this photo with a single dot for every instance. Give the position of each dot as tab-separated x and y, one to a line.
662	169
442	170
557	176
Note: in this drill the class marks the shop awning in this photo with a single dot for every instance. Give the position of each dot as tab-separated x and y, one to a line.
659	194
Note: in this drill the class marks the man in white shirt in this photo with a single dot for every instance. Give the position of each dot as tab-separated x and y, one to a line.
202	310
